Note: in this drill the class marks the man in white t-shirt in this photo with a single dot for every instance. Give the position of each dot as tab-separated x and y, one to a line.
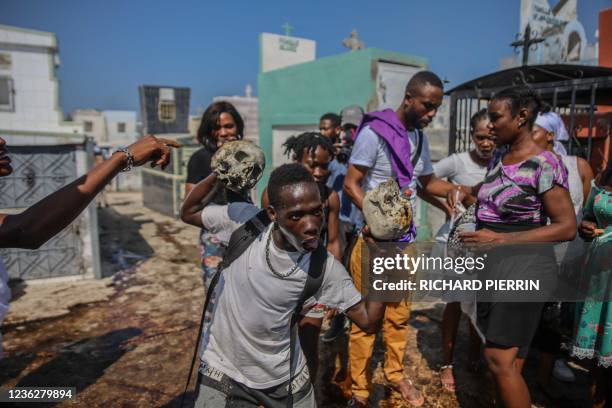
374	160
245	351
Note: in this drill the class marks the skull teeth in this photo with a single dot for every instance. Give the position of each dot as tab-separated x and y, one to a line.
239	164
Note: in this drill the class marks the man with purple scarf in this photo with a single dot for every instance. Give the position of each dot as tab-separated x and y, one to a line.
390	144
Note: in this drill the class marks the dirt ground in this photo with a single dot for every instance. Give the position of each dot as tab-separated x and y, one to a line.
127	340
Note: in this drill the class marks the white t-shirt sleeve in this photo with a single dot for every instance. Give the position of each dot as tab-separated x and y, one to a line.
338	290
445	168
425	167
222	220
365	149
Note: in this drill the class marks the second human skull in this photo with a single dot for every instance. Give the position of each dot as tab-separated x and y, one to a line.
387	212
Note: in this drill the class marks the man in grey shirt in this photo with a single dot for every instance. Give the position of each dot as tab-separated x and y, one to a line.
246	346
371	163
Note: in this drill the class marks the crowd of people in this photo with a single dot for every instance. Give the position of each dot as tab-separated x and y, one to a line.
275	271
521	183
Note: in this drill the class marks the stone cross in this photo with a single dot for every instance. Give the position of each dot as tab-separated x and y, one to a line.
287	29
353	43
526	42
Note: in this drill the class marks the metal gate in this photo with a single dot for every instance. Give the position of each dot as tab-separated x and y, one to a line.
37	172
575	91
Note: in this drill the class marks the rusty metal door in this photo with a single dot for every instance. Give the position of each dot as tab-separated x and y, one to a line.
39	171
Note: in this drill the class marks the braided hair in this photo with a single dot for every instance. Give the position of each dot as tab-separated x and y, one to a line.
308	142
521	97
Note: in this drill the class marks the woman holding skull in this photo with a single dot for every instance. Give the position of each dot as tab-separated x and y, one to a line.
522	189
220	123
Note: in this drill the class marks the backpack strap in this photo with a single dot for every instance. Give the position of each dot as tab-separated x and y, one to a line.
239	241
314	280
244	236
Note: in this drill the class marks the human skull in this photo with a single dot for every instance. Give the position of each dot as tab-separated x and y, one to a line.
387	212
239	164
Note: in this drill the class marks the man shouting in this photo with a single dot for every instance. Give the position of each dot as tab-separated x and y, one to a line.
248	355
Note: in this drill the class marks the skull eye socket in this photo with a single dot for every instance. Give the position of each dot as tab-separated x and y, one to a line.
256	172
240	155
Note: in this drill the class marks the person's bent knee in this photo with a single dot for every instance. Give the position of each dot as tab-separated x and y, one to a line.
501	361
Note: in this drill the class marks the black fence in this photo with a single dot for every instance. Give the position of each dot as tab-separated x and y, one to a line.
570	90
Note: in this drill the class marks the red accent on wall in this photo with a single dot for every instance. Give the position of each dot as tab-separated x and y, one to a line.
605	38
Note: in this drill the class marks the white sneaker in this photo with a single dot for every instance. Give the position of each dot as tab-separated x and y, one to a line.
562	372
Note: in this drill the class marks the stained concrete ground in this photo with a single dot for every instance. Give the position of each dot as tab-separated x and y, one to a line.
127	340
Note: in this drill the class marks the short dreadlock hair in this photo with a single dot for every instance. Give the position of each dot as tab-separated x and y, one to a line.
308	142
283	176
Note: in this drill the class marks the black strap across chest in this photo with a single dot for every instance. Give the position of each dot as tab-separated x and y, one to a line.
239	242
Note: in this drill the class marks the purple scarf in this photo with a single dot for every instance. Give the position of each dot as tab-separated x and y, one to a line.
387	126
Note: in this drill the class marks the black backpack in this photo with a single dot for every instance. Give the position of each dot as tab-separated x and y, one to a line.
239	241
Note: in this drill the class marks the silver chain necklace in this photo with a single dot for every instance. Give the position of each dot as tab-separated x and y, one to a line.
293	268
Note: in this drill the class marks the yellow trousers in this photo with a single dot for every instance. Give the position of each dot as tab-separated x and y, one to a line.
361	344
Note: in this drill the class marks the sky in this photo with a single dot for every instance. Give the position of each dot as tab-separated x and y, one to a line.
108	48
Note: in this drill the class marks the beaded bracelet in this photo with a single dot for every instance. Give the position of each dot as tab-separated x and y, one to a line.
129	156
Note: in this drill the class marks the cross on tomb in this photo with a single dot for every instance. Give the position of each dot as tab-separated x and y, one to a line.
287	29
526	42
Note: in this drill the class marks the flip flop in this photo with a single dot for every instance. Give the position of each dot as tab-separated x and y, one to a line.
414	397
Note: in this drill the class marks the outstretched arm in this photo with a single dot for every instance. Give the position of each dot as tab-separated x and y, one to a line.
367	315
36	225
435	186
439	204
462	194
557	205
198	198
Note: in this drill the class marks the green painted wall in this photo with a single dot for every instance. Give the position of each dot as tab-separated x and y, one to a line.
300	94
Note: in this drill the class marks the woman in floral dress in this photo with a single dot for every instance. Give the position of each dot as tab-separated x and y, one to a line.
593	338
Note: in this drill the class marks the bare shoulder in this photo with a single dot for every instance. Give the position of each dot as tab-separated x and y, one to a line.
584	168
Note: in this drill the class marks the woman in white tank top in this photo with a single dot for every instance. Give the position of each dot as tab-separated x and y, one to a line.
468	169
